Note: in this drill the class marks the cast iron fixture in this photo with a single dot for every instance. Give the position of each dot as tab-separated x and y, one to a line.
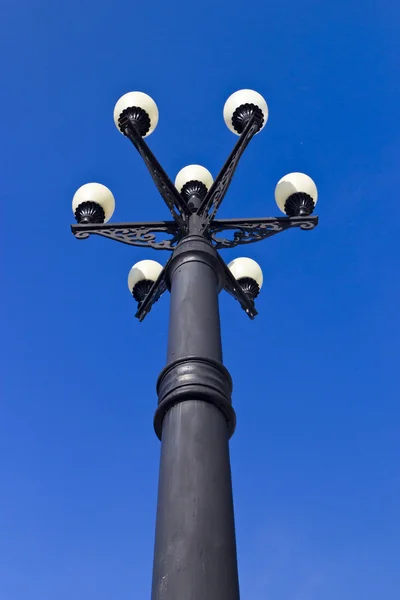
194	199
195	547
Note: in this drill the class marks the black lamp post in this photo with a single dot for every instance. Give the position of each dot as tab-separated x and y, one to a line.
195	547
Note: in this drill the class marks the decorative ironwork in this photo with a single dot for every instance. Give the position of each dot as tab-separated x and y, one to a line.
232	286
134	234
249	286
141	289
138	117
196	188
216	194
155	293
254	230
243	113
299	204
194	212
194	193
166	188
89	212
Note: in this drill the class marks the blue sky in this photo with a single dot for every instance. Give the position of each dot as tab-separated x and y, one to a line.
315	456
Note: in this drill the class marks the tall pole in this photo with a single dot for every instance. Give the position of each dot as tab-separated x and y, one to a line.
195	546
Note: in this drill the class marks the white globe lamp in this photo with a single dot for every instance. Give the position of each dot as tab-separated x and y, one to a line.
248	274
296	195
240	106
138	108
93	203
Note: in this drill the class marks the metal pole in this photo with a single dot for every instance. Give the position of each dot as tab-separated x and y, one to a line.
195	546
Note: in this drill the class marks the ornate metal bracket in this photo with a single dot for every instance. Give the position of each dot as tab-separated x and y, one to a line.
216	194
233	288
248	231
172	198
165	235
161	235
230	285
155	293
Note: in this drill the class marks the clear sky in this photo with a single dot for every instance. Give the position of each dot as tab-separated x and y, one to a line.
316	452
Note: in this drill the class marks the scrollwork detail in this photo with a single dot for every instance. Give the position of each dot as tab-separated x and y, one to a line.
135	235
246	232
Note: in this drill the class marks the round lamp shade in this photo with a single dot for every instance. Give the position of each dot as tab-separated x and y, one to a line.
294	183
98	193
246	267
241	98
193	173
137	100
144	270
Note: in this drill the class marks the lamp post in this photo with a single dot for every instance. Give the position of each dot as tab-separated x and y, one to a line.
195	547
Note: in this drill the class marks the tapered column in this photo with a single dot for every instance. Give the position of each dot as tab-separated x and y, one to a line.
195	546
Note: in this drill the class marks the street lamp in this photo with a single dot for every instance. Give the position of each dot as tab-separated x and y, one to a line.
195	547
